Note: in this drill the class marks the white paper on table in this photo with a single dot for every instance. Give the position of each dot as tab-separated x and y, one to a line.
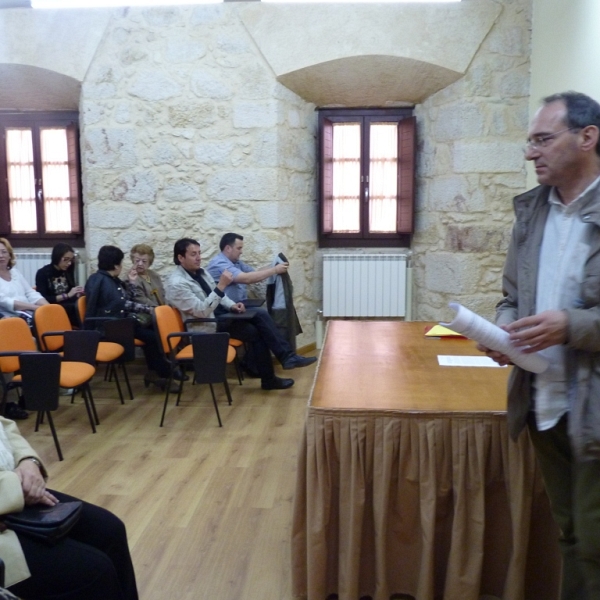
491	336
466	361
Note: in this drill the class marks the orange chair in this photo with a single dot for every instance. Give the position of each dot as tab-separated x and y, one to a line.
51	321
168	325
82	307
15	338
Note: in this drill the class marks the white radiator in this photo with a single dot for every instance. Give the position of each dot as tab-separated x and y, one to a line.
366	285
28	264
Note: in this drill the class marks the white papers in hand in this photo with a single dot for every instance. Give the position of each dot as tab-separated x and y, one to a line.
477	328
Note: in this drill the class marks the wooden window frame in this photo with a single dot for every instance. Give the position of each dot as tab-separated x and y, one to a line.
37	120
406	174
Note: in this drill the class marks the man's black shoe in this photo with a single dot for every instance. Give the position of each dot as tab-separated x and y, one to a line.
277	383
296	361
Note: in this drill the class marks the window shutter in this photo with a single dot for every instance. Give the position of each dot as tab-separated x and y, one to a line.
327	177
406	174
74	190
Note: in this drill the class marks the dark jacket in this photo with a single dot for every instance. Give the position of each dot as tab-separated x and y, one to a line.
108	296
50	281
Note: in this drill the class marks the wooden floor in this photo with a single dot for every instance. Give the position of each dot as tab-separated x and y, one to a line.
208	510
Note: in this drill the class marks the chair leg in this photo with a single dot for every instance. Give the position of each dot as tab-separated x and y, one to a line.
212	391
53	430
179	390
126	375
238	369
162	419
228	392
89	401
38	419
113	371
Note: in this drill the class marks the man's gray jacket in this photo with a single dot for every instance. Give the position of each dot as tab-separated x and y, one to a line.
583	339
186	294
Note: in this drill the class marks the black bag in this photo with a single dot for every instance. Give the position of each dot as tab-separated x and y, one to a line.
45	523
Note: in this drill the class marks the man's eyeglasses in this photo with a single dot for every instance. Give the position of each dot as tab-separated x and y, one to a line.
541	141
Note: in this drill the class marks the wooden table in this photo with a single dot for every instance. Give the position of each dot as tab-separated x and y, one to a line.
407	481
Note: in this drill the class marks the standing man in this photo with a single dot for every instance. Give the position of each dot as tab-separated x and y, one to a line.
232	245
551	305
194	293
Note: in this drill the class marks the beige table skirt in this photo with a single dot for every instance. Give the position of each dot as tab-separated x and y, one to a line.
439	506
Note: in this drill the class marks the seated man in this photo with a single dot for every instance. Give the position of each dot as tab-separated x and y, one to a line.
193	291
232	245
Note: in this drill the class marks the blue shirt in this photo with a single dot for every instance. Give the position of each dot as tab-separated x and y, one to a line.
236	291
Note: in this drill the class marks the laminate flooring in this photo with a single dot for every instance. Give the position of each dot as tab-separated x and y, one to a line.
207	509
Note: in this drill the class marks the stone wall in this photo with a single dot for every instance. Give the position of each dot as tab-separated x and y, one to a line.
471	164
186	133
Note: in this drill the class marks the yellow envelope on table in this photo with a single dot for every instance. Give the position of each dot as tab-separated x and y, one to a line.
441	331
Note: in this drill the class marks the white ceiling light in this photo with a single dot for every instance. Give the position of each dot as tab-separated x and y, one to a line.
113	3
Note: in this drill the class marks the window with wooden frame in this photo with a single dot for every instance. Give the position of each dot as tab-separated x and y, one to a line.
367	177
40	188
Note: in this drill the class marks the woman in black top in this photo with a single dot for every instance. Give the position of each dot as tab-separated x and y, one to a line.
56	281
108	296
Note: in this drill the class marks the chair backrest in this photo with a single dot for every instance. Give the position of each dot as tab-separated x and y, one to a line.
51	317
15	336
210	357
166	322
41	380
121	331
82	346
81	308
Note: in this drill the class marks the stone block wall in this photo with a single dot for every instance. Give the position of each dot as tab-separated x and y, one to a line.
187	133
470	166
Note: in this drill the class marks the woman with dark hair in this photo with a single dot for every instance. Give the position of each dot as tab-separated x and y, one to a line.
108	296
56	281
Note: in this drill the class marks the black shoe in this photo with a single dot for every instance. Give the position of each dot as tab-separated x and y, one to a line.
296	361
179	375
13	412
277	383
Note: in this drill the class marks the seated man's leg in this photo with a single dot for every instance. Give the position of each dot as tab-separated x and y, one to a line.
91	563
276	343
246	331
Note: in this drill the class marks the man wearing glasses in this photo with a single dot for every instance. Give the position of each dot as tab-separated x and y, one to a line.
551	305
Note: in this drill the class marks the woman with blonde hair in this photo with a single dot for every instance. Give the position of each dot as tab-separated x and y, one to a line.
17	299
148	287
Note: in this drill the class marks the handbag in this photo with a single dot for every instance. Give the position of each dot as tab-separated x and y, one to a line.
45	523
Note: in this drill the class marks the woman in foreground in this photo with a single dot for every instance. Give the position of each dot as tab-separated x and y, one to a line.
91	563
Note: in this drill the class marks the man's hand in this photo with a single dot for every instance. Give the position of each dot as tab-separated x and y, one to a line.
535	333
238	308
281	268
33	484
225	279
496	356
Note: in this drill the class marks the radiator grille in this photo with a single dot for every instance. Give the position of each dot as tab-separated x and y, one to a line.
28	264
365	285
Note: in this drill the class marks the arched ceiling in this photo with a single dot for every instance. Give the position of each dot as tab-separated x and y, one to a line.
369	54
31	88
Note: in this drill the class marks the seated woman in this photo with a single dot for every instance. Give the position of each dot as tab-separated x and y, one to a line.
15	293
148	287
91	563
108	296
17	298
56	281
